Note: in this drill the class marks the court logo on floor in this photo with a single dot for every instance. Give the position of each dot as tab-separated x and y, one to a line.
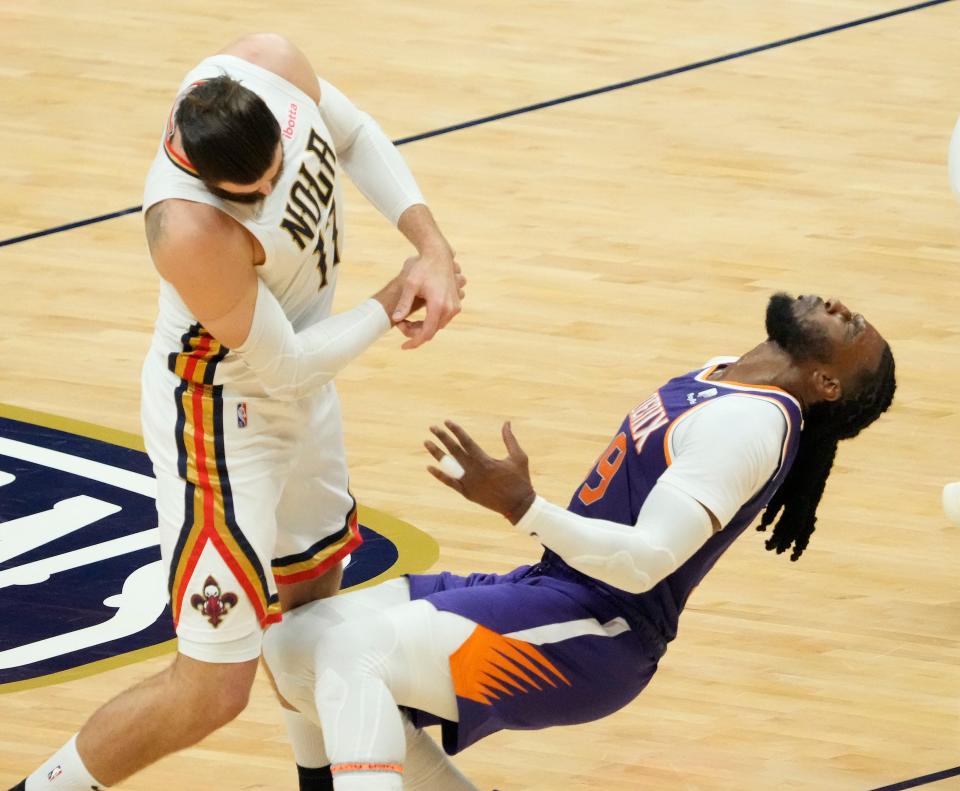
82	587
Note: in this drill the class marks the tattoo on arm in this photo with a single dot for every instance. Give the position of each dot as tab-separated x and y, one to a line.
154	225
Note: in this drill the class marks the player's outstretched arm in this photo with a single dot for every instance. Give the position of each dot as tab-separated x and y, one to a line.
290	365
670	528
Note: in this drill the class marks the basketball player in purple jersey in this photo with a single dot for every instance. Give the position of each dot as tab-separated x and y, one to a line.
579	634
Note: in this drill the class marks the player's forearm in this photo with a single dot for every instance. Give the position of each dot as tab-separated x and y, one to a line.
380	173
368	156
633	558
290	365
595	547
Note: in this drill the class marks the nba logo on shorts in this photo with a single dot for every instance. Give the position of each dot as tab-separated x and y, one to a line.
242	414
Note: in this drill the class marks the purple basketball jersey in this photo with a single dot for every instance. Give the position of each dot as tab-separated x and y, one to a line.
639	454
577	676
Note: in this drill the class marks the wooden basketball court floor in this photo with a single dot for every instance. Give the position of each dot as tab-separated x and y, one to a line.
611	242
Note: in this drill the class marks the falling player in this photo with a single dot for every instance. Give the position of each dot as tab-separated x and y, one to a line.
579	634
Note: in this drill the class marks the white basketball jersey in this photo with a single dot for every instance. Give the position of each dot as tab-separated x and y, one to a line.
299	225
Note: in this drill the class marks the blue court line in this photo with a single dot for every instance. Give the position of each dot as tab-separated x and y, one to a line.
562	100
70	226
919	781
671	72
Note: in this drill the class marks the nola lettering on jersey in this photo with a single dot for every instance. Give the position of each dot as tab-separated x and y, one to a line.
311	194
310	215
646	418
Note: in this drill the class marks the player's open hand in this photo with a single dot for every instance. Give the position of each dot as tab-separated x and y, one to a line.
502	485
433	280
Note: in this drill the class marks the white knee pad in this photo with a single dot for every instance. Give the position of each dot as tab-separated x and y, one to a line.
406	647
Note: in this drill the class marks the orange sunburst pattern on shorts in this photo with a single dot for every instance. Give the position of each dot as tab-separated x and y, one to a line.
488	666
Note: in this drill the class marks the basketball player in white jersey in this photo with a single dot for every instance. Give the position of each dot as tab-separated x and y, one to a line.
240	417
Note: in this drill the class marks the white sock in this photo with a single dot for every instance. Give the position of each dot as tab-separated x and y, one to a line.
306	740
64	771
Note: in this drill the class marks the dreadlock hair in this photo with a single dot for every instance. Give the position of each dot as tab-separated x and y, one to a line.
825	425
227	131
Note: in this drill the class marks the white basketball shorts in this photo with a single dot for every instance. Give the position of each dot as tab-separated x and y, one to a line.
252	493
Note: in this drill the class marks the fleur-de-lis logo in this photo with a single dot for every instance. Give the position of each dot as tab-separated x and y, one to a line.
213	604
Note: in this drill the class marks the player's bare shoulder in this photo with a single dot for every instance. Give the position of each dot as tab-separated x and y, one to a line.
207	257
281	56
181	233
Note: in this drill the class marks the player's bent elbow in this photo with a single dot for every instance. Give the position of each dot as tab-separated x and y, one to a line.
623	572
639	572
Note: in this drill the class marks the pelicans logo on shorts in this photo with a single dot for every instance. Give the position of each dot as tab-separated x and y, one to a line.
213	604
82	588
